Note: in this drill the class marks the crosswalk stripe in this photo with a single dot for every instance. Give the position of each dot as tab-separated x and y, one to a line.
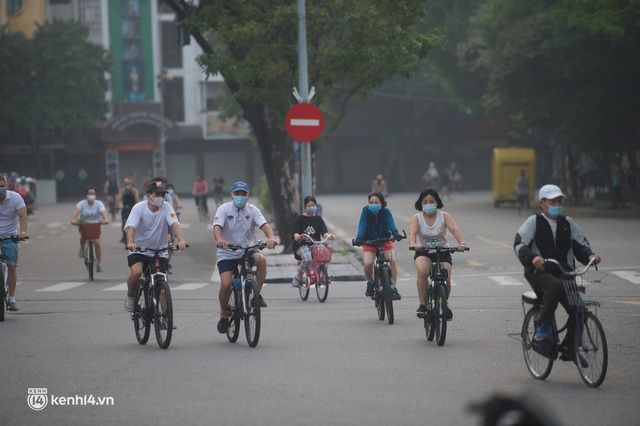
119	287
189	286
631	276
62	286
505	280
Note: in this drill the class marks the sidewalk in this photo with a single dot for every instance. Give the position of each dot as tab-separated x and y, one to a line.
344	265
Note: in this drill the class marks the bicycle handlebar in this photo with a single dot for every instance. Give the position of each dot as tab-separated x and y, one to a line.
259	245
170	247
439	248
15	238
309	238
576	272
380	241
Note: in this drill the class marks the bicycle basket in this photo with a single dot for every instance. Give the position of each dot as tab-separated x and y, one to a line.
585	289
321	253
90	231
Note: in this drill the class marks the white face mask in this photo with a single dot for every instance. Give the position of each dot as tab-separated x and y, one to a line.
91	197
157	201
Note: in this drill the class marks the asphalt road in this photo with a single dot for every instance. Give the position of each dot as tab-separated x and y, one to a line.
315	364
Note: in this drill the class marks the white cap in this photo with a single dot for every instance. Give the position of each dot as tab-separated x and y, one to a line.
550	192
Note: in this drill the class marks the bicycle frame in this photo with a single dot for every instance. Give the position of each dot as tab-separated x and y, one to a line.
588	345
382	293
435	321
5	275
246	271
312	269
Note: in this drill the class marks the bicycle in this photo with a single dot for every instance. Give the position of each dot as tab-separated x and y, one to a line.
317	273
435	319
244	302
4	276
382	277
203	216
153	300
589	351
90	232
113	209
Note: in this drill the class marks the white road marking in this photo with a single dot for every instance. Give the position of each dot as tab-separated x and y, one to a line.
506	280
119	287
631	276
189	286
62	286
53	225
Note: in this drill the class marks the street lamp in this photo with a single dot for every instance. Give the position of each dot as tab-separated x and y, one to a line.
164	77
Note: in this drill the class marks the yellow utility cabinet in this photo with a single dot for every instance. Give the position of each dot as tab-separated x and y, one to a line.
505	169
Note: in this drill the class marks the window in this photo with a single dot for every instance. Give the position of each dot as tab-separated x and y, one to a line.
171	49
173	99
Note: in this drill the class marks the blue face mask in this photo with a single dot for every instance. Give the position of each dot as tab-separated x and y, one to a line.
374	208
311	209
239	201
554	211
429	208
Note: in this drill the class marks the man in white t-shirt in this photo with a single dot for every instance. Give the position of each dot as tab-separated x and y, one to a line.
147	227
13	222
235	223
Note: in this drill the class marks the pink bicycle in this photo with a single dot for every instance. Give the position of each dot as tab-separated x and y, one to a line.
317	273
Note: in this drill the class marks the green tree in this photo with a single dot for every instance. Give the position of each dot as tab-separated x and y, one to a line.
56	84
353	47
567	67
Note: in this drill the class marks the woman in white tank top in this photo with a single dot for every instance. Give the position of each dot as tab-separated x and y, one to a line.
428	228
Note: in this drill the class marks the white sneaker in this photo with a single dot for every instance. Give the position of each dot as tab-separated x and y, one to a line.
129	304
13	306
295	282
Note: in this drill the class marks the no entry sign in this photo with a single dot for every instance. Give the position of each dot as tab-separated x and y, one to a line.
304	122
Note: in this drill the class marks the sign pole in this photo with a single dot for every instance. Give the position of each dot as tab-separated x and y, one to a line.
305	148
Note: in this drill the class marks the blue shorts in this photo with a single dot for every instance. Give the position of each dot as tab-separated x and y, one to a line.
10	252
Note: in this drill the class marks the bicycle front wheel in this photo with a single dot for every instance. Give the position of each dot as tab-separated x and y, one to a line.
440	313
252	318
304	287
90	259
234	315
591	345
141	317
322	286
163	318
538	365
3	304
385	281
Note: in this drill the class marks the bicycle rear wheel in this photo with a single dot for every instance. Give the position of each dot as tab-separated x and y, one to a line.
234	314
440	313
304	287
141	316
322	286
591	345
385	281
163	317
90	259
252	319
539	366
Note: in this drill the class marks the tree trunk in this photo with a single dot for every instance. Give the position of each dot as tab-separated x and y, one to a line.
276	150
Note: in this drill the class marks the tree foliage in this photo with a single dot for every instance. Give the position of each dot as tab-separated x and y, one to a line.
568	67
353	47
54	85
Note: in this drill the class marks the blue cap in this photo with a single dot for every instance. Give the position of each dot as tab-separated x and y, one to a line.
240	186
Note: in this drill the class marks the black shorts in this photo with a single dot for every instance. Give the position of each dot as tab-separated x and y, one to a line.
134	258
227	265
444	257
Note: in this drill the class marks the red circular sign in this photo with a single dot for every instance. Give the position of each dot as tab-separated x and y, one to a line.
304	122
